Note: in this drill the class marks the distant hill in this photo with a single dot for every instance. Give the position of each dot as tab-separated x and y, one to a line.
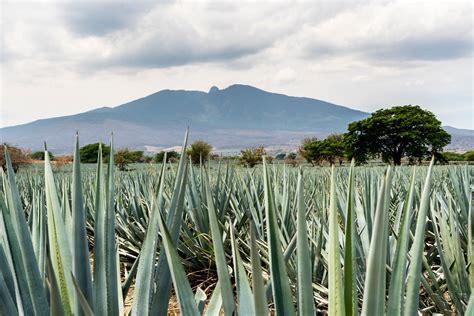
234	117
229	119
461	139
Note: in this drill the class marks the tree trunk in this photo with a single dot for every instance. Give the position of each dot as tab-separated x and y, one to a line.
397	159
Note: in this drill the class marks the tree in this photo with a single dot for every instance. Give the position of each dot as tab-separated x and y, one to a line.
333	148
469	156
280	156
303	150
18	157
123	157
90	152
39	155
199	150
291	159
330	149
170	155
252	156
391	134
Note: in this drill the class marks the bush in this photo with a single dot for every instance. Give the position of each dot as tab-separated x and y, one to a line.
170	156
199	150
90	152
18	156
469	156
252	156
452	156
39	155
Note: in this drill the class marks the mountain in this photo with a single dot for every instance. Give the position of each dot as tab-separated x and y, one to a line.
230	118
461	139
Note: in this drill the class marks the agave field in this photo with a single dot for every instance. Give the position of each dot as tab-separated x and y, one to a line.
221	239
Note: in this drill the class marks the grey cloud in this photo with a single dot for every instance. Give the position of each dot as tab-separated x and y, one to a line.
101	18
427	48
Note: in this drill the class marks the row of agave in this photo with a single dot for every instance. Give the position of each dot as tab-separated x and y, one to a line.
345	241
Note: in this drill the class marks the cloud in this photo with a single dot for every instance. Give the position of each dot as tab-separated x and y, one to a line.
103	17
67	57
394	32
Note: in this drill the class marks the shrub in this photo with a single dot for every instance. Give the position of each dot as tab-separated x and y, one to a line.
469	156
252	156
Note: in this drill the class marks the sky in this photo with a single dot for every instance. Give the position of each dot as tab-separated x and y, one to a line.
66	57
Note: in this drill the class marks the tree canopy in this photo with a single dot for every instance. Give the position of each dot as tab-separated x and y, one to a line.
90	152
330	149
397	132
123	157
39	155
170	156
199	150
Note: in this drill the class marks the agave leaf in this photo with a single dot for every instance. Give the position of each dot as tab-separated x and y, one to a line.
200	298
27	274
6	300
336	290
105	266
80	249
259	296
374	288
84	304
350	288
305	279
187	303
61	256
416	251
215	303
397	279
244	293
146	265
159	304
280	285
221	262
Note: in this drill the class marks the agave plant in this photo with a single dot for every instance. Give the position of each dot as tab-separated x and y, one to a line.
274	239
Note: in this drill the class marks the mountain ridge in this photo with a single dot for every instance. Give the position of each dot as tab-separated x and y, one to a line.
234	117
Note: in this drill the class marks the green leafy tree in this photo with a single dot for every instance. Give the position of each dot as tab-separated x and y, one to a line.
170	156
304	151
39	155
252	156
90	152
469	156
199	150
330	149
391	134
333	148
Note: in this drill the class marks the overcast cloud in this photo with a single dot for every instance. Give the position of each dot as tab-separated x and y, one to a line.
64	57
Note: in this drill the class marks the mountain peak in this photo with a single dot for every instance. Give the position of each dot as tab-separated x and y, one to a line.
213	89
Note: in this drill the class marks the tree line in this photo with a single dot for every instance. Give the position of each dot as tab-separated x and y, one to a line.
401	132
